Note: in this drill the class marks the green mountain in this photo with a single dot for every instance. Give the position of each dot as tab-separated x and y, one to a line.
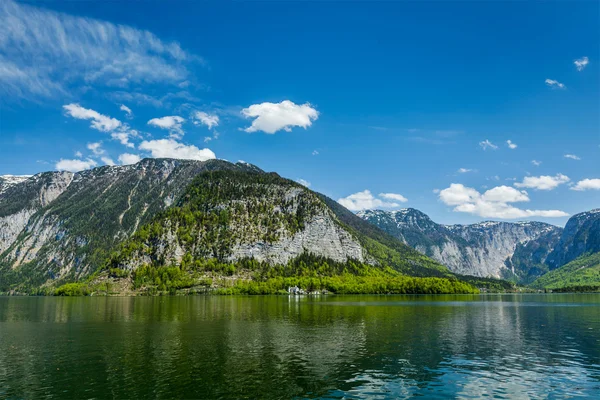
583	273
172	224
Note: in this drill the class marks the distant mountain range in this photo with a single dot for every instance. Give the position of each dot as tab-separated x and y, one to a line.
521	251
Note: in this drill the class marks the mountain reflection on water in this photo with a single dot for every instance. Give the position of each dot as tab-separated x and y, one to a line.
509	346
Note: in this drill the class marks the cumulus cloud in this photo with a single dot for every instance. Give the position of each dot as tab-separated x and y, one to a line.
581	63
486	144
99	122
365	201
494	203
393	196
572	157
511	145
128	158
272	117
70	50
544	182
126	109
75	165
587	184
202	118
107	160
303	182
169	148
555	84
171	123
96	148
536	163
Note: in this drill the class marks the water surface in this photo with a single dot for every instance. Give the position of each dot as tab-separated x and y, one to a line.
509	346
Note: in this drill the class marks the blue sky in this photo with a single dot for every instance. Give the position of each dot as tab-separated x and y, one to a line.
393	98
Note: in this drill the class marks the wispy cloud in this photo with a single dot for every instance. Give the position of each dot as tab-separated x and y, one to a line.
572	157
204	118
118	130
127	110
581	63
511	145
536	163
555	84
303	182
486	144
69	50
464	170
172	123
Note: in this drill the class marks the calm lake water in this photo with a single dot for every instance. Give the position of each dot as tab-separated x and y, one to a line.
509	346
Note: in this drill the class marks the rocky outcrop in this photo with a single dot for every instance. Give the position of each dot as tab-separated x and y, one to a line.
321	236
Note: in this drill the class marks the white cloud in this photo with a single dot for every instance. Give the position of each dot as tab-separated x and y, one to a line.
581	63
464	170
70	50
107	160
171	123
78	154
494	203
364	201
315	153
303	182
572	157
75	165
169	148
123	136
393	196
511	145
202	118
544	182
536	163
99	121
486	144
126	109
127	159
555	84
96	148
272	117
587	184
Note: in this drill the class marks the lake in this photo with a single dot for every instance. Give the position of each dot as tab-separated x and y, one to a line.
500	346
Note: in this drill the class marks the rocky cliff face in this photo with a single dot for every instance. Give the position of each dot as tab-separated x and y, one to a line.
22	197
233	217
485	249
581	236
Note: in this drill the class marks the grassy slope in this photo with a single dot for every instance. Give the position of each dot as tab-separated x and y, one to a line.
583	271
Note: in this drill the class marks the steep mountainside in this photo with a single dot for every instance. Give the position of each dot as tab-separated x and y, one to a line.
485	249
232	216
583	273
581	236
61	227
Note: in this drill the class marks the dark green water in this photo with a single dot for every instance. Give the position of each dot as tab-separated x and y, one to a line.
521	346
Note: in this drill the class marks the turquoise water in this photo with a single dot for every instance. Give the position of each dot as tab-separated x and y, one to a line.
509	346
